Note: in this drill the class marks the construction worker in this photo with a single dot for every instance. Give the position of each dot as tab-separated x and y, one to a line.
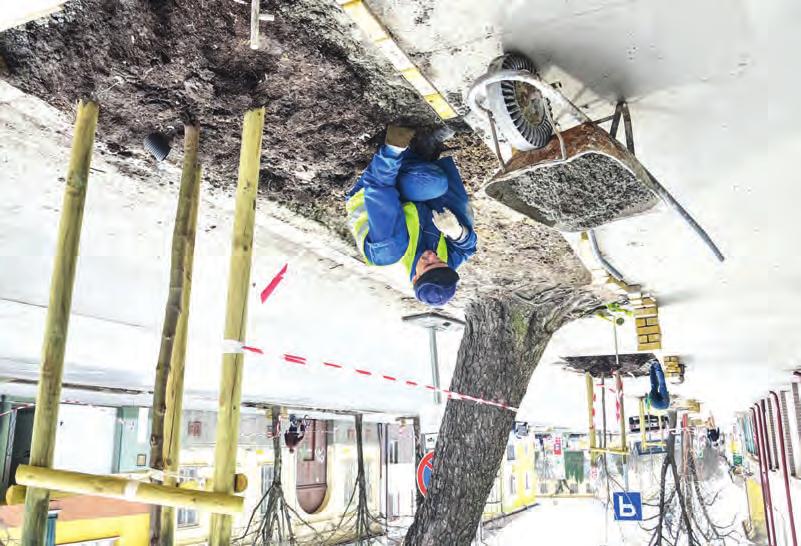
412	209
712	431
658	398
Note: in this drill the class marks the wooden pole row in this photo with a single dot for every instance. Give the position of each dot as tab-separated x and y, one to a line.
236	318
45	419
165	445
117	487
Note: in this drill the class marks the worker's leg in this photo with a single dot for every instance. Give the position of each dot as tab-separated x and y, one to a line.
421	181
660	399
660	375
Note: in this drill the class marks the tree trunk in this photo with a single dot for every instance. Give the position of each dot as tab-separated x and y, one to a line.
503	341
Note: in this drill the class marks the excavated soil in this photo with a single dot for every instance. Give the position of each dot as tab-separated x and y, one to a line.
581	194
631	364
152	64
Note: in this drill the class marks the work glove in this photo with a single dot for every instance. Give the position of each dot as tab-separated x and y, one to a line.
399	136
447	224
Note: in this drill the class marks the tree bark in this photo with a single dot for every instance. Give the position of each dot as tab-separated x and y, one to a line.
503	341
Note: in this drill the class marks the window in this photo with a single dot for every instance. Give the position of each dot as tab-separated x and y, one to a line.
187	517
512	485
267	473
528	482
393	452
510	452
194	429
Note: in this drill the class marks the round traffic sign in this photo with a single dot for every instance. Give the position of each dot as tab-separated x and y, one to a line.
424	471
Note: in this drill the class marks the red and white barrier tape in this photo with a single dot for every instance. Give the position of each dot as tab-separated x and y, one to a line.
231	346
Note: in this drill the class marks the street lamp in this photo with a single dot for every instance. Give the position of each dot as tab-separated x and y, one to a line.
434	322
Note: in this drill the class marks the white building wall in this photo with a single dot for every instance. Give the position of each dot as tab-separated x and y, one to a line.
85	438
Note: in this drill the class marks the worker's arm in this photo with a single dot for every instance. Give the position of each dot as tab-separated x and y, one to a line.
459	251
456	204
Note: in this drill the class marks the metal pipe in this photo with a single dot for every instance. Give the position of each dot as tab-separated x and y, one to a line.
774	442
495	140
596	251
763	447
767	437
616	120
761	474
784	468
432	340
627	127
557	99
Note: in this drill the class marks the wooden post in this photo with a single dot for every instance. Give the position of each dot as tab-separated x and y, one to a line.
45	418
175	297
236	317
166	428
590	405
117	487
255	9
15	494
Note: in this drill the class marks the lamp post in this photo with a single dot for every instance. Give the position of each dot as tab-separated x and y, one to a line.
434	322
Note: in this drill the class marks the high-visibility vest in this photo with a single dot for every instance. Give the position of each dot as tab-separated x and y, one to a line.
359	226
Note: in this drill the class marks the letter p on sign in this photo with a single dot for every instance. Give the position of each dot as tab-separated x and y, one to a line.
628	506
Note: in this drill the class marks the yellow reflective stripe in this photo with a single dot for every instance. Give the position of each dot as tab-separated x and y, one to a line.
359	226
355	201
358	220
360	223
442	249
413	227
356	215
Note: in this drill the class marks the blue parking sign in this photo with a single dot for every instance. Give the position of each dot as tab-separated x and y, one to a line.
628	506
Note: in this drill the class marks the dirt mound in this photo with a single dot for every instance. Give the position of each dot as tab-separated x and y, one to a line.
153	63
578	195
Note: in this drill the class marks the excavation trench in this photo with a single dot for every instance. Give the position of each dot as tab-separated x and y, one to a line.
329	96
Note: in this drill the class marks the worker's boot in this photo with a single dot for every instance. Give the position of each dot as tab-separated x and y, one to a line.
428	144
